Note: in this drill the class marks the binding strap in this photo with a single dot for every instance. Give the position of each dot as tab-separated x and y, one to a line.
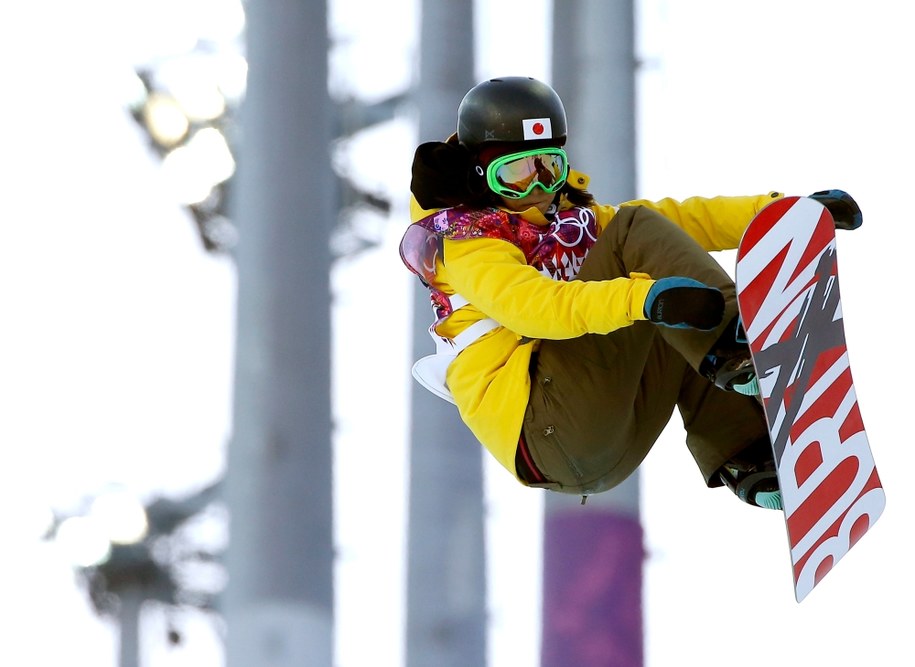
430	370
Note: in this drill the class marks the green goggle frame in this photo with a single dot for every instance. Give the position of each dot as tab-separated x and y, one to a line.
514	176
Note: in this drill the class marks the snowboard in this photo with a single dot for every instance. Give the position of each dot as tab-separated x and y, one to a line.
788	293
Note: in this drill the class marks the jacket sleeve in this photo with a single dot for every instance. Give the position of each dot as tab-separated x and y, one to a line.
493	275
716	223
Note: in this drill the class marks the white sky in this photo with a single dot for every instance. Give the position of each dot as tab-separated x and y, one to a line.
115	360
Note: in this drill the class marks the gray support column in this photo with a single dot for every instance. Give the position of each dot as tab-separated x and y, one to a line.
130	603
594	66
593	555
446	578
279	600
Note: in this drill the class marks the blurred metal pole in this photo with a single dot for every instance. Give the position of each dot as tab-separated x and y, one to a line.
130	602
593	555
594	66
279	600
446	577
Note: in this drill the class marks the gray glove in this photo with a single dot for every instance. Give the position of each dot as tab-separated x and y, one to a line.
684	303
844	209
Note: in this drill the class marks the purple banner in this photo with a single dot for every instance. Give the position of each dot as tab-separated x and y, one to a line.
592	590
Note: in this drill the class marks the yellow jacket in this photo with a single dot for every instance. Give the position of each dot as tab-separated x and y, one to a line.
489	380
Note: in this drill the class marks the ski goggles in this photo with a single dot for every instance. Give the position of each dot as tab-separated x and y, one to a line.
515	175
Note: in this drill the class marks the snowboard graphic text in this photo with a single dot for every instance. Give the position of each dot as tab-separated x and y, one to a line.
790	304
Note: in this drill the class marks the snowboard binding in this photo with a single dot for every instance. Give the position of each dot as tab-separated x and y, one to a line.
755	483
729	365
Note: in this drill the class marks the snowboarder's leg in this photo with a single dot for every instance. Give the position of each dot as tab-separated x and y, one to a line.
639	239
598	404
646	241
729	440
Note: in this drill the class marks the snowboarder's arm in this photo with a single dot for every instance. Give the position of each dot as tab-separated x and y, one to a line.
715	223
493	275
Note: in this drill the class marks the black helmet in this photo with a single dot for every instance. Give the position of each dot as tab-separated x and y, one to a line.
511	109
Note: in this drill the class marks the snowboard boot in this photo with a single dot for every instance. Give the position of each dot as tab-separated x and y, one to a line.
751	476
729	365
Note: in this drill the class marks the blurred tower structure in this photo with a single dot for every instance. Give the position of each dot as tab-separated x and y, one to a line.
593	555
279	600
446	576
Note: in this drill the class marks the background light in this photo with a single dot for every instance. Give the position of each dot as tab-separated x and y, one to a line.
167	123
84	541
194	83
121	516
194	169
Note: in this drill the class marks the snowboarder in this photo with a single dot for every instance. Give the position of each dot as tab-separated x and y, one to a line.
568	330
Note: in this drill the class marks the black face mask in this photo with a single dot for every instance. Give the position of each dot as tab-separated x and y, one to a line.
449	174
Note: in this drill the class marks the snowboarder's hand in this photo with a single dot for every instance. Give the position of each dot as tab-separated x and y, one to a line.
844	209
684	303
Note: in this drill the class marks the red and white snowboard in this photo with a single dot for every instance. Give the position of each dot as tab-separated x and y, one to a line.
788	291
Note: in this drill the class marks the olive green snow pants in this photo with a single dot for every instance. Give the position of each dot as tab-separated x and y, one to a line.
598	403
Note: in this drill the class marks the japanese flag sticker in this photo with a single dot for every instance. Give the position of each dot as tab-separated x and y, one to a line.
537	128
